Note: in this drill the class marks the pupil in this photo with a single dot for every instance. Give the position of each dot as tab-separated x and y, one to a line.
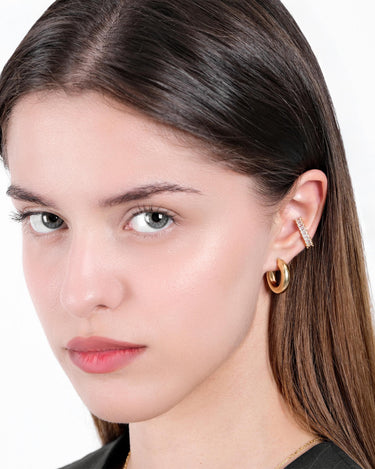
156	217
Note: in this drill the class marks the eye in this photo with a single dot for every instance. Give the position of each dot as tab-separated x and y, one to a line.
150	221
45	222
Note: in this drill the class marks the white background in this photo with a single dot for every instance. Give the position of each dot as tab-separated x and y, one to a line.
43	423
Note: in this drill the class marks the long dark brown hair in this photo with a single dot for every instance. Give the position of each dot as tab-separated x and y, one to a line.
240	78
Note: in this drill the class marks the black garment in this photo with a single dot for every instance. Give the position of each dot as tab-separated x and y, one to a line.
110	456
325	455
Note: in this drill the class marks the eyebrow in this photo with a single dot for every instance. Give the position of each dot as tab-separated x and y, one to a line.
137	193
17	192
148	190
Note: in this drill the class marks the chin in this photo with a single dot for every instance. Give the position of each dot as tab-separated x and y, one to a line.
124	405
125	413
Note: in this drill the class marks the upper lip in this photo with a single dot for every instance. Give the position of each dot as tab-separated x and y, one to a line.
98	344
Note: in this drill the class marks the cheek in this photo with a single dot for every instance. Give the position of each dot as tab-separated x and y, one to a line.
201	297
42	274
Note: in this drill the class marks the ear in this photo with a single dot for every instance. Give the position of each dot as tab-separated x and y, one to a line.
306	200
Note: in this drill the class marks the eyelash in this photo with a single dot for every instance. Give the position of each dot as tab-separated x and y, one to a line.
20	217
23	216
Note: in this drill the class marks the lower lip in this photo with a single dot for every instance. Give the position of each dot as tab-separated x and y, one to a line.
104	361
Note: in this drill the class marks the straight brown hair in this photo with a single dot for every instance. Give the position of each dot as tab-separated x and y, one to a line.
241	79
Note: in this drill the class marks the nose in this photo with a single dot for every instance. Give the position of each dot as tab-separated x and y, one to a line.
90	282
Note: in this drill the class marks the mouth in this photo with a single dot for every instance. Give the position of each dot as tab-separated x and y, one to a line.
101	354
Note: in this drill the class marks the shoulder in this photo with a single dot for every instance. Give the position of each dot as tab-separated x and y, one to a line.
325	455
110	456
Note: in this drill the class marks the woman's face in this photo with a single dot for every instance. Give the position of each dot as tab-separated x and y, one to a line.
131	237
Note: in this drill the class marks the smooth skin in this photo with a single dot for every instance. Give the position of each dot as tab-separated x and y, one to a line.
191	291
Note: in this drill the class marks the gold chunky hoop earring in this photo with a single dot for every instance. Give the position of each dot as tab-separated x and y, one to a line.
284	278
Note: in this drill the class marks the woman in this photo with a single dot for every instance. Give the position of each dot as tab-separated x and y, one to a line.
182	186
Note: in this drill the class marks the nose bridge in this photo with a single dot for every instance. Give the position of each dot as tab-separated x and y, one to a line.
90	281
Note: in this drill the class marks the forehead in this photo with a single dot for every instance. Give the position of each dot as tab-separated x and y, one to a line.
46	120
64	142
88	130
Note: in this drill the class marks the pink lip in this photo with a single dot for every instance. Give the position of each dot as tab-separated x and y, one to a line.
102	355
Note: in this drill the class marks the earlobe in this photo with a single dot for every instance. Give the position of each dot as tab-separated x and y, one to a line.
298	217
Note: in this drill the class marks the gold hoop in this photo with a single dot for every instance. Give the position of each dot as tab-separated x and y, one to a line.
284	278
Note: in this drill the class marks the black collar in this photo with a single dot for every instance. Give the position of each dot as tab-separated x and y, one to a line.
110	456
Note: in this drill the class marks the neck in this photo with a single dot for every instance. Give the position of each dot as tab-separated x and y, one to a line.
236	418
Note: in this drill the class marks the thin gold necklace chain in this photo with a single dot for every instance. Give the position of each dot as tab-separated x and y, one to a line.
298	451
127	461
282	464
